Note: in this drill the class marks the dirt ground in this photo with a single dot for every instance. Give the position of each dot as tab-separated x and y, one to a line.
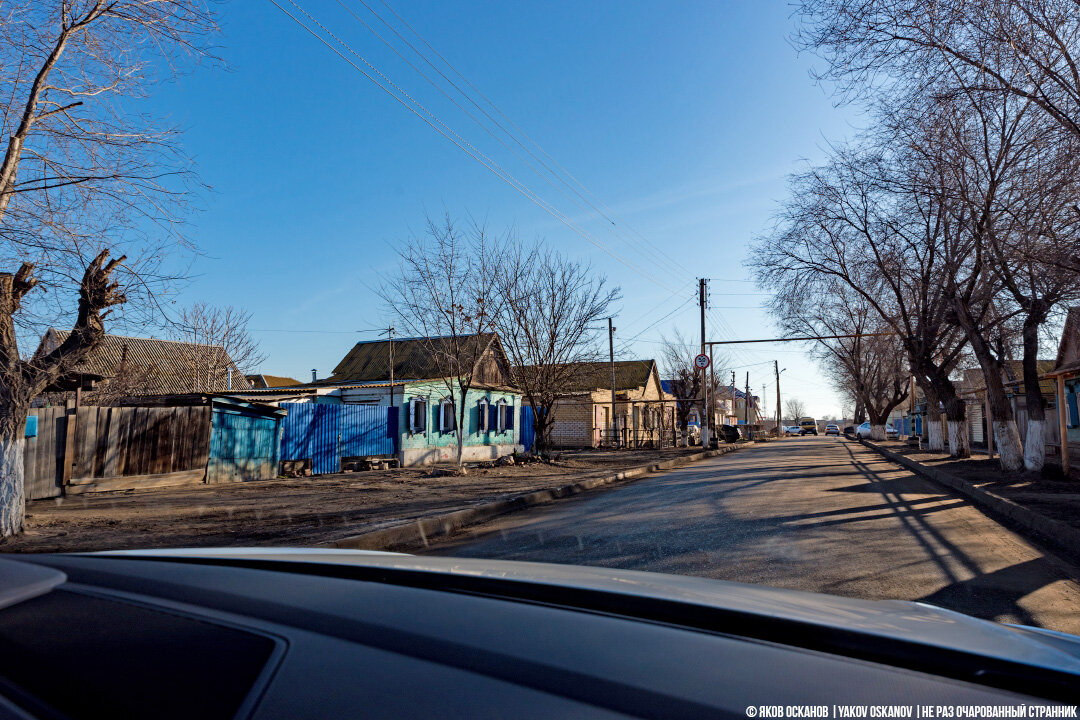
1048	493
302	511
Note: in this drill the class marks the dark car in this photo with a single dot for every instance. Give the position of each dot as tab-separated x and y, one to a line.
265	633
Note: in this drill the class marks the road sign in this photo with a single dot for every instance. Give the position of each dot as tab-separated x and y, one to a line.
701	361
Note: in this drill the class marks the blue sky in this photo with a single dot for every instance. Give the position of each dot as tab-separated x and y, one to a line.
683	117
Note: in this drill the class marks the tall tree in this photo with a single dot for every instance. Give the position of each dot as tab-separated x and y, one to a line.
86	169
444	296
548	322
1027	48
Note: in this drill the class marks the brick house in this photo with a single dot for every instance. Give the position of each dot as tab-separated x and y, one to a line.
644	413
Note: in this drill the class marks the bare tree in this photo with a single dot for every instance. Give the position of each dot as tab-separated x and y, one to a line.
444	296
218	339
86	169
1027	48
862	223
547	322
794	409
677	361
868	367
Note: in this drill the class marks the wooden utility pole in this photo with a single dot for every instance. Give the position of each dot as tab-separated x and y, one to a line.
746	402
776	367
611	358
702	301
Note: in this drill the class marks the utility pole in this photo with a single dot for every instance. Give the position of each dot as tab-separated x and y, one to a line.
776	367
746	405
611	357
390	337
702	301
734	404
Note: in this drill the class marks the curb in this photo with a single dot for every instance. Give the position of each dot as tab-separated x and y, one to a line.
1062	537
418	532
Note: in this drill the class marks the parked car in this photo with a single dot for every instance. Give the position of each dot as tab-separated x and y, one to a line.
863	431
832	429
807	425
792	430
272	632
849	430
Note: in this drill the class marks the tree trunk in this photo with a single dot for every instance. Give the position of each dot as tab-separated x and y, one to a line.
1034	443
1035	446
958	438
1007	441
12	492
935	438
877	432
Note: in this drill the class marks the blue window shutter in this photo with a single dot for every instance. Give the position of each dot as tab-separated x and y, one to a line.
1074	416
509	417
31	426
493	418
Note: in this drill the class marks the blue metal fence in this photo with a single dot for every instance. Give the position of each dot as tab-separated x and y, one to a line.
243	445
326	433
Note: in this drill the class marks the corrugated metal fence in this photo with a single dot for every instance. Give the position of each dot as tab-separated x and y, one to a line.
326	433
242	446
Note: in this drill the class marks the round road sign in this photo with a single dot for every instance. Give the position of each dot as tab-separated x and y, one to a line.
702	361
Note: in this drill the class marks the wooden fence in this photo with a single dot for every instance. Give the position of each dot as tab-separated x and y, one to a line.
92	446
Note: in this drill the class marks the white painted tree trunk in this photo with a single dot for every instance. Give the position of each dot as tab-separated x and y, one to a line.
877	432
1035	446
958	439
1007	440
12	492
935	438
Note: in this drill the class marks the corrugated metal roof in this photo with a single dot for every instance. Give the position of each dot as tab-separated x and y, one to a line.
158	366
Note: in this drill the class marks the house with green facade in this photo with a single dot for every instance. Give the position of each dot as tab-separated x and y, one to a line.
410	374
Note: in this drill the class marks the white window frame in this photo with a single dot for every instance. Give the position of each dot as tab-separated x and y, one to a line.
414	426
447	401
483	409
500	416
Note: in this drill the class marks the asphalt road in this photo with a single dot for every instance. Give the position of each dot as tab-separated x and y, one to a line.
818	513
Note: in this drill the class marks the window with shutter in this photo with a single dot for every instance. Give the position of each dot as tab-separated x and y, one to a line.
1074	416
482	415
500	416
509	417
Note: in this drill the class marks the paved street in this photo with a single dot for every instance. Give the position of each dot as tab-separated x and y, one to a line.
816	513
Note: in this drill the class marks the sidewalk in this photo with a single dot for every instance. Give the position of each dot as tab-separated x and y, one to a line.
1049	509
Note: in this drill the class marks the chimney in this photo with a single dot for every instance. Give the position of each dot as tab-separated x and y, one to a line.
228	379
314	375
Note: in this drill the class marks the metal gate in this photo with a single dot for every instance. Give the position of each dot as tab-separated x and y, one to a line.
326	433
528	431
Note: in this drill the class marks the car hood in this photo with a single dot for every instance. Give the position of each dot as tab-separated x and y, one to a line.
901	620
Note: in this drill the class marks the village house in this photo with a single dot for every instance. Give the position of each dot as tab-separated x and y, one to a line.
124	366
972	390
644	414
1065	375
425	412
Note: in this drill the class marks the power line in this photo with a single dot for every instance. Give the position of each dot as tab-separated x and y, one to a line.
665	263
491	165
660	254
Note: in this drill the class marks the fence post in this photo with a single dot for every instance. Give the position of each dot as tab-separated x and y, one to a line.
71	420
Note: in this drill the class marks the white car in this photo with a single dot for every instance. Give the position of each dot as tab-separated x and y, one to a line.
792	430
863	431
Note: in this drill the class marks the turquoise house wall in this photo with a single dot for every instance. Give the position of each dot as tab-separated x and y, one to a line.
434	392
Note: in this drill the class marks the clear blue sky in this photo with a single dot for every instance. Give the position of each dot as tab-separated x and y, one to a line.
683	117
